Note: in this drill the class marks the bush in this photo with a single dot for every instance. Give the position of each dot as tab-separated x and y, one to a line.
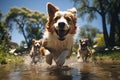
108	54
2	58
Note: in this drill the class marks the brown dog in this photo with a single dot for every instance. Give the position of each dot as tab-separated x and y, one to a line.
60	29
38	51
83	50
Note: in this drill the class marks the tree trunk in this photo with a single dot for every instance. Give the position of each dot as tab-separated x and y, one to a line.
23	32
112	29
105	33
117	28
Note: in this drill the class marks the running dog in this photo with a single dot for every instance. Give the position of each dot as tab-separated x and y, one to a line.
38	51
83	50
60	29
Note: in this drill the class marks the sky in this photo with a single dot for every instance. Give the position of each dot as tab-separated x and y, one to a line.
40	5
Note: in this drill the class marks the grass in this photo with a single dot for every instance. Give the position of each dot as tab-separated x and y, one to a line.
6	58
107	57
14	59
108	54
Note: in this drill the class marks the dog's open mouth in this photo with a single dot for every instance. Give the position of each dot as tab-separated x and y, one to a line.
62	34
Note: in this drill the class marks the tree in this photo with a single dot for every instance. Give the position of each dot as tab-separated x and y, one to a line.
25	19
35	26
33	33
4	36
92	8
89	32
106	9
113	13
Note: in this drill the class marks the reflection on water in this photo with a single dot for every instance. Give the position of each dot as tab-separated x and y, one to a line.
75	71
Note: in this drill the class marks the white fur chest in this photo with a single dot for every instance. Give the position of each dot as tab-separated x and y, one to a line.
54	43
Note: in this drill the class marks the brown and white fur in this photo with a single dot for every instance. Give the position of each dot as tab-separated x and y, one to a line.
38	51
83	50
60	29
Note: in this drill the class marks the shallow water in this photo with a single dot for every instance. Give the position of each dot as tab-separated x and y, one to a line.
73	71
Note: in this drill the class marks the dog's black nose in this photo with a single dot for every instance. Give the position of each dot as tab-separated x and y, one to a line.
61	25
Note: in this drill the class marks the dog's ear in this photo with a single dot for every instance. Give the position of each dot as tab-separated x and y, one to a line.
51	9
33	41
40	41
80	40
74	11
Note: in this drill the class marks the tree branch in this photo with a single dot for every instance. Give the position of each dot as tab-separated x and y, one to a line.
93	9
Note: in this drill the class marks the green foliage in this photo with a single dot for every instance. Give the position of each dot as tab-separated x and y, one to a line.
84	6
109	11
5	44
3	52
99	40
75	46
2	57
29	23
7	59
89	32
20	49
108	55
4	40
14	59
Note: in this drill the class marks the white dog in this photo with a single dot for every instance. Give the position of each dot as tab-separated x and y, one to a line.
60	29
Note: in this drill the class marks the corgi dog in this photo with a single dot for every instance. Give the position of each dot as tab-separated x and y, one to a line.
60	29
83	51
38	51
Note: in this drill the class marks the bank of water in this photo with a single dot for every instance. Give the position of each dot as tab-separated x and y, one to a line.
72	70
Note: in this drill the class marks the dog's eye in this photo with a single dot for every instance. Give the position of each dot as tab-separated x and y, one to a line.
68	19
56	18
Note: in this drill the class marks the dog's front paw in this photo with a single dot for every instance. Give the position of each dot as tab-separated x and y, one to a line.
61	59
78	55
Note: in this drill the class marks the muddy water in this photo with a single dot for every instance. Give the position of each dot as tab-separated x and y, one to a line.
72	70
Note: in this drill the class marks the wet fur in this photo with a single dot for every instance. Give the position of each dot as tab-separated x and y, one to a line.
84	52
60	50
38	51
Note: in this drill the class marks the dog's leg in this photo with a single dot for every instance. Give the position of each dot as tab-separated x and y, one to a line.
82	55
39	58
78	54
33	59
47	52
86	58
61	59
49	59
31	52
44	51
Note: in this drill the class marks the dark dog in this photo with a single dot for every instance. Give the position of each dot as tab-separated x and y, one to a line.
83	50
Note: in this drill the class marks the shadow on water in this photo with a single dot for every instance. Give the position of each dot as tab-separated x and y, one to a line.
75	71
65	73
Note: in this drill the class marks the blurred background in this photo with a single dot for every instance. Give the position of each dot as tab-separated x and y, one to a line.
23	20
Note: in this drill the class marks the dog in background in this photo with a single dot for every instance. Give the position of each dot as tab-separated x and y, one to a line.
83	50
60	29
38	51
